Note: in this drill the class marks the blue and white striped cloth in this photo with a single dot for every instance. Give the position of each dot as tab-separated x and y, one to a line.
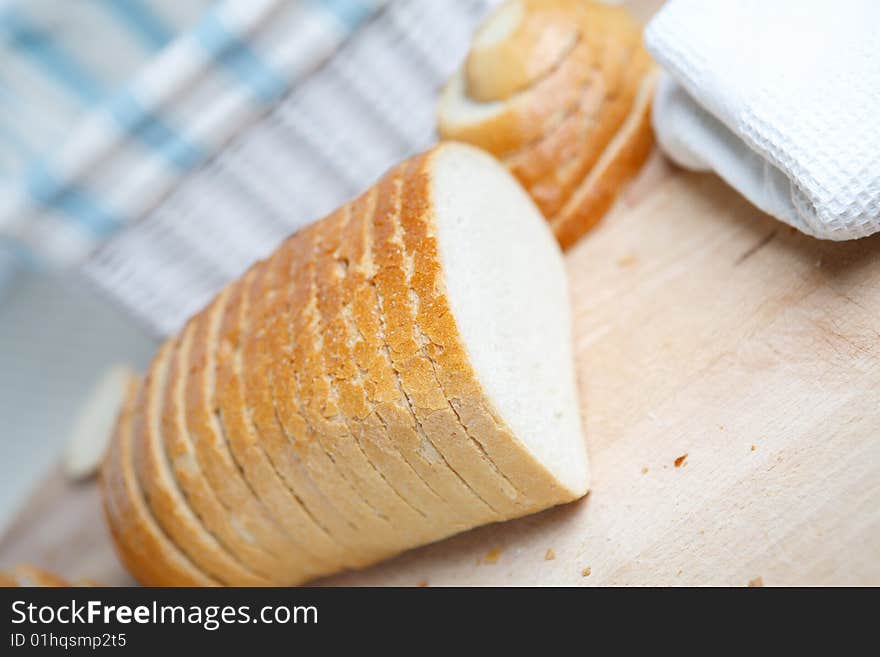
209	130
105	103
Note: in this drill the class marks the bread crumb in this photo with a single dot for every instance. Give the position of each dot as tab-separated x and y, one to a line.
645	470
627	260
680	460
757	582
754	447
586	572
721	427
492	556
422	584
678	574
550	555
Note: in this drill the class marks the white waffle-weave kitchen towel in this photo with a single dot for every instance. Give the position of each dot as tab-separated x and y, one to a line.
782	100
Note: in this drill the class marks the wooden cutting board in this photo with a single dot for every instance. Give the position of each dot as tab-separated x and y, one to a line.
730	381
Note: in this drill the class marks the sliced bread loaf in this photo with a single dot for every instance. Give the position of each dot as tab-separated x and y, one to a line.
399	372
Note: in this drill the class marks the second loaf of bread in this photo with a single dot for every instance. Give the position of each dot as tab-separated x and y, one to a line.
396	373
560	91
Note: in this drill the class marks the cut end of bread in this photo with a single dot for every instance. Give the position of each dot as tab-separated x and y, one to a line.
500	26
520	42
507	287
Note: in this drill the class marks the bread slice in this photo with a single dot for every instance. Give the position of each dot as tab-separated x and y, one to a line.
247	419
345	402
551	168
313	389
33	576
167	501
207	473
271	388
252	408
228	523
238	474
572	152
511	404
400	351
296	382
619	163
27	575
394	439
537	162
417	373
401	371
557	121
141	544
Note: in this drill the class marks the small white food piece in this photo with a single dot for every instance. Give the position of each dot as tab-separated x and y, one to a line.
94	423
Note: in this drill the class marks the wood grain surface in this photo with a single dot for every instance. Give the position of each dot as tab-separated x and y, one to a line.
730	378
